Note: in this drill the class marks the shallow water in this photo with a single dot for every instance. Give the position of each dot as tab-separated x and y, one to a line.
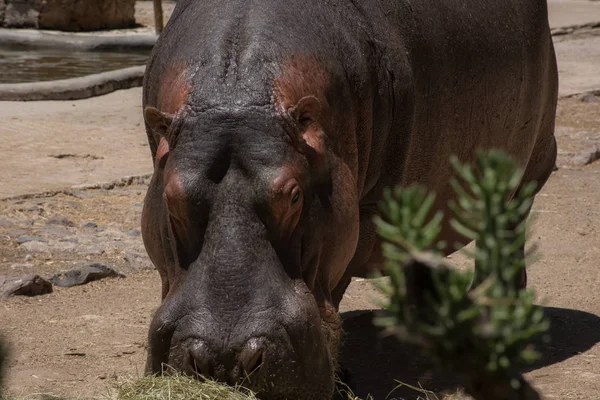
31	65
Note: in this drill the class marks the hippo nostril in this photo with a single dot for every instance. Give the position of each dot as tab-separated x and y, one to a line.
199	359
251	358
253	362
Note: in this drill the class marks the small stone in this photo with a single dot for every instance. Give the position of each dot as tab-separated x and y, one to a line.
111	233
36	247
64	246
138	261
90	225
16	232
587	156
21	266
91	250
70	240
25	239
85	274
590	98
133	232
74	205
27	285
31	208
79	194
28	257
57	231
58	220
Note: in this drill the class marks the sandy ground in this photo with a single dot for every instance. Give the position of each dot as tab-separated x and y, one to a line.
572	12
54	144
77	341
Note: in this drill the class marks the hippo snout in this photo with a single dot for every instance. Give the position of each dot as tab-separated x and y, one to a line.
249	363
279	349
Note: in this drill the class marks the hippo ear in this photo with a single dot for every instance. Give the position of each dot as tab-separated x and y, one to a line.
311	140
157	120
306	111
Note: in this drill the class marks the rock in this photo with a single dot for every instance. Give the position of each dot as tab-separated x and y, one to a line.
74	205
91	250
69	15
21	266
27	285
111	234
56	231
40	249
138	261
26	239
35	247
590	98
32	208
90	225
133	232
22	13
57	220
79	194
63	245
16	233
85	274
586	156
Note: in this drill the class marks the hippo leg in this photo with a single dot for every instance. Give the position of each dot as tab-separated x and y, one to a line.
367	257
538	170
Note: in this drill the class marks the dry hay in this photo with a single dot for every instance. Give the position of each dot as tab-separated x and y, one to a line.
179	387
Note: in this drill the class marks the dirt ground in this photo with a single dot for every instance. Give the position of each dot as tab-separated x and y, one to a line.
77	341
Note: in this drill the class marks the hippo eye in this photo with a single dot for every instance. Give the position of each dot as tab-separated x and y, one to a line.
296	196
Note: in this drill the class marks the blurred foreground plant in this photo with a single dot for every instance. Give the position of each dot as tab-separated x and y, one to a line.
483	333
3	356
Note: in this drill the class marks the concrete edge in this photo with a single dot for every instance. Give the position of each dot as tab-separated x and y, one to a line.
567	30
593	92
74	88
123	182
41	39
90	42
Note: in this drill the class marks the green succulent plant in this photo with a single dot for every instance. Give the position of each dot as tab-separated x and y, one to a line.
479	325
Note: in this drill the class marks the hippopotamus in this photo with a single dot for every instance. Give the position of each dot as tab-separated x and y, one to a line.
274	128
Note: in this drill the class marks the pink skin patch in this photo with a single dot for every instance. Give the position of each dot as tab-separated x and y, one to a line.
162	151
174	88
286	201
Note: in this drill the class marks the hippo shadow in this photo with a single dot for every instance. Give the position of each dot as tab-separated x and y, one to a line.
375	363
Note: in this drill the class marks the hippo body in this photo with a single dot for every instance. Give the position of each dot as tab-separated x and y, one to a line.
275	126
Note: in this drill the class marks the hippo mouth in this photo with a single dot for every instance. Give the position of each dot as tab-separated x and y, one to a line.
286	353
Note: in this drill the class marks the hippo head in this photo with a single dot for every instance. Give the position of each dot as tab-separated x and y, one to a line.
251	220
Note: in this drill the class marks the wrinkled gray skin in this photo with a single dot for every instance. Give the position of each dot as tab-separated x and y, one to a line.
274	127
